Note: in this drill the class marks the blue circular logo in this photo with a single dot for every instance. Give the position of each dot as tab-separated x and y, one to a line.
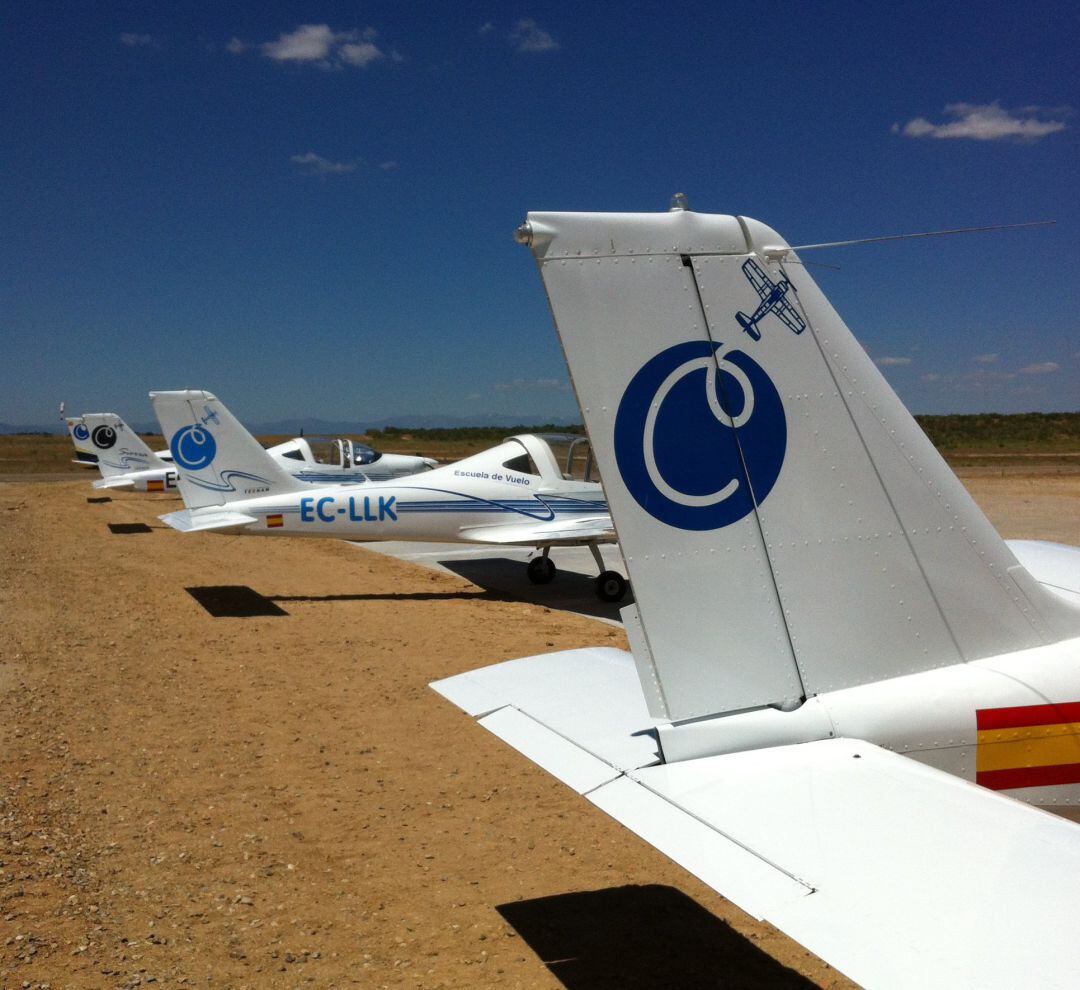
700	438
81	432
193	447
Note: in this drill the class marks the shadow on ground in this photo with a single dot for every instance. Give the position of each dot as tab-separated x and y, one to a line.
99	500
570	591
235	601
238	601
641	938
128	529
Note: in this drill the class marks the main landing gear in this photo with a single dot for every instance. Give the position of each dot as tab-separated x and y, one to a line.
610	586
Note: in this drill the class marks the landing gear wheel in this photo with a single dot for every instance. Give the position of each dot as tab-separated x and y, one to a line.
611	587
541	570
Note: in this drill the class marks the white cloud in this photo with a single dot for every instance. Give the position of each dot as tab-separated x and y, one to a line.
308	43
313	164
388	166
360	54
533	385
236	46
891	362
472	397
1043	368
319	44
528	36
985	358
987	122
930	376
133	40
486	28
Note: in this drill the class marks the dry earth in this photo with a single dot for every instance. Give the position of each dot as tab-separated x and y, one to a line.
280	801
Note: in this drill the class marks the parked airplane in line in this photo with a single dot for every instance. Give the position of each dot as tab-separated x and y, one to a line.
511	495
127	462
80	438
124	458
844	684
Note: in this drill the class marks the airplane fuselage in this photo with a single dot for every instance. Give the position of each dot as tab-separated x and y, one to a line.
438	506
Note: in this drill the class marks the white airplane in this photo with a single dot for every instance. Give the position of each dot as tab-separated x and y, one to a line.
127	462
124	458
511	495
844	685
80	438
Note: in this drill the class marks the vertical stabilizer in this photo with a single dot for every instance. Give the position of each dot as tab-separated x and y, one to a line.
119	449
216	459
787	526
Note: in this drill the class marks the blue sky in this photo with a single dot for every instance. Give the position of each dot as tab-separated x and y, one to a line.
308	208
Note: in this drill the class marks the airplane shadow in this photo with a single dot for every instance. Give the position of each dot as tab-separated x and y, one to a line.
99	500
128	529
569	592
238	601
640	938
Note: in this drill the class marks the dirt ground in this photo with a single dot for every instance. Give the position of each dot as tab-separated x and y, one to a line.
275	798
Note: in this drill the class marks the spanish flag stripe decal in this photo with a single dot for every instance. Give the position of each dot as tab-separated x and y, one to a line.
275	521
1025	715
1033	752
1002	780
1028	746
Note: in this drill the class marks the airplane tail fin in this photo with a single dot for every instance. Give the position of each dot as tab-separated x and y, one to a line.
80	439
788	528
120	450
216	459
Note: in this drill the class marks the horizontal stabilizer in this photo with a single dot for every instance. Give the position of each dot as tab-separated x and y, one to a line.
189	522
595	529
114	481
826	840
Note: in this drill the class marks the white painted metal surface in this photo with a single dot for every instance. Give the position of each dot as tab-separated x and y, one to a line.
124	458
769	490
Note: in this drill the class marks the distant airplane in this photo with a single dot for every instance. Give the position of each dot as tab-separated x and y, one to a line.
124	458
772	301
126	461
844	684
511	495
80	438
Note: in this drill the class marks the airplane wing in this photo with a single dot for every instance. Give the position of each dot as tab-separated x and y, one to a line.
189	522
756	276
114	481
789	317
558	532
829	841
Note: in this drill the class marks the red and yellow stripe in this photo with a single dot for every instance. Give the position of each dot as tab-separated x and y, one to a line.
1028	746
275	521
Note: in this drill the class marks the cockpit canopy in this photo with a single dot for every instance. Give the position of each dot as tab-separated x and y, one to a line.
558	455
338	452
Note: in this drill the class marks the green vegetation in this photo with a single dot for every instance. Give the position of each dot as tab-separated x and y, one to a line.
968	440
1049	433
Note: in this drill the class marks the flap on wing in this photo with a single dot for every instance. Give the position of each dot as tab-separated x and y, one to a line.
895	873
115	481
559	531
188	522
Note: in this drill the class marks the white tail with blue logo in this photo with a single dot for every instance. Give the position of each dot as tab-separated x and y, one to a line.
217	460
832	647
787	527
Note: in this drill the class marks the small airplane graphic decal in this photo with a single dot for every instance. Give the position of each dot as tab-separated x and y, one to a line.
772	301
